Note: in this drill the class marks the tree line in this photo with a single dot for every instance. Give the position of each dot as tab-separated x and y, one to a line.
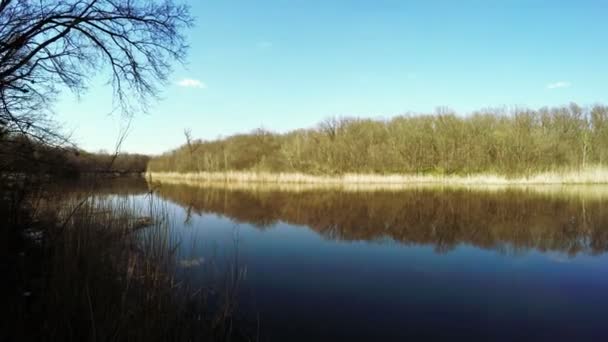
24	155
515	141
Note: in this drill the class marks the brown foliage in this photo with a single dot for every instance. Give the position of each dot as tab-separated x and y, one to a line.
511	143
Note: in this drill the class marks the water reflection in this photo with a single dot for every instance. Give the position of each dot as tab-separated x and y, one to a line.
87	186
320	264
509	221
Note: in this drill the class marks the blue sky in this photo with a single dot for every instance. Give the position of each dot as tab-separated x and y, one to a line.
287	64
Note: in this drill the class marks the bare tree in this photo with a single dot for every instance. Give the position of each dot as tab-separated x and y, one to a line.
189	140
191	147
331	126
49	44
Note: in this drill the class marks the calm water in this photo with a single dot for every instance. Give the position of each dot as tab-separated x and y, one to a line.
388	265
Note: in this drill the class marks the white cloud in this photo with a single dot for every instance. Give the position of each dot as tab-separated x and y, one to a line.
560	84
264	45
191	83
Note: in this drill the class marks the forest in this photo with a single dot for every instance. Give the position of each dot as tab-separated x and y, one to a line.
503	141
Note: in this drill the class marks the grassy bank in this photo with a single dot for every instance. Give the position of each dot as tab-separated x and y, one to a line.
589	175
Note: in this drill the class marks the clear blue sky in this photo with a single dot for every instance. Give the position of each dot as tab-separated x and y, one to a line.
286	64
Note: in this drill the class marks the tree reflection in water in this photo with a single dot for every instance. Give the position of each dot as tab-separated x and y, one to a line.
509	220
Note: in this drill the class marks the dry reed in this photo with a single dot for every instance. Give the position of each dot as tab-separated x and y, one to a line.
589	175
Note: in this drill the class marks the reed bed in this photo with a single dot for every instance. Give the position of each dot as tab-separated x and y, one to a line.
106	271
580	191
589	175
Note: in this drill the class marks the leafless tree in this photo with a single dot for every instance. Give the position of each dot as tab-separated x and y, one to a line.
331	126
189	140
192	147
46	45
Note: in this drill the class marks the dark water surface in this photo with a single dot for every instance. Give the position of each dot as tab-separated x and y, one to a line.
392	265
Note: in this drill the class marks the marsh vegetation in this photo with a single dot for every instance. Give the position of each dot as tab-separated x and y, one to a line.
100	263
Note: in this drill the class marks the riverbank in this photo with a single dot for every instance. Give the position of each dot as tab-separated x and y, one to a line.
590	175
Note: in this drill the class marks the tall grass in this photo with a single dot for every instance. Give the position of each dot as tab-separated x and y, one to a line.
588	175
108	272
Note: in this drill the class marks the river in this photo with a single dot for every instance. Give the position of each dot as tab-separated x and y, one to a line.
316	264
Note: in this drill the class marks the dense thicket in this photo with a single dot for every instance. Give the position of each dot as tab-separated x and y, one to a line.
86	162
22	154
508	142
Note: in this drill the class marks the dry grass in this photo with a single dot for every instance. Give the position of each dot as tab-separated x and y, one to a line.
590	175
581	191
590	185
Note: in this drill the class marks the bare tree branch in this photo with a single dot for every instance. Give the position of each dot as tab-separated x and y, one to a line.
49	44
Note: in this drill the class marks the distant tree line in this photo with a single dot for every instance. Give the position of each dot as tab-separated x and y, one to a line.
513	141
22	154
87	162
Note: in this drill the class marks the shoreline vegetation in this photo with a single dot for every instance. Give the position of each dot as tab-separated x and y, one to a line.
566	144
584	191
588	176
93	267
